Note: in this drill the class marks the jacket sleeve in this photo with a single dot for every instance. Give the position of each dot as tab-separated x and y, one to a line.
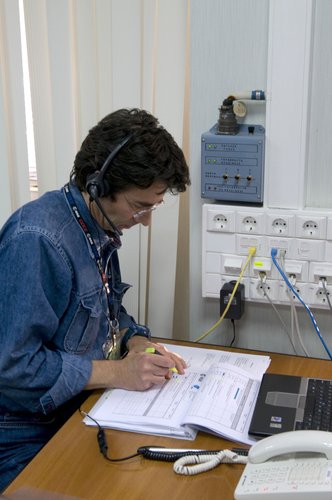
36	283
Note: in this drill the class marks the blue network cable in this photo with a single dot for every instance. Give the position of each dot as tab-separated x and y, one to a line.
274	252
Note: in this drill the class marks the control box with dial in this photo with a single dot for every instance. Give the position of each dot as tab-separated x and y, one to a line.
232	166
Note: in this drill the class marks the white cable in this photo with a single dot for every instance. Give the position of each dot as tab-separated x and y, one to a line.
326	293
263	283
195	464
293	314
295	318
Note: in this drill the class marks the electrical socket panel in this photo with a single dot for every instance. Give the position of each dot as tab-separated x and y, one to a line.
311	226
318	295
286	295
221	220
250	222
259	290
305	240
280	224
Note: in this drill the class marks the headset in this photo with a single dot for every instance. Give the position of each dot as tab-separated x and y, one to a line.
98	187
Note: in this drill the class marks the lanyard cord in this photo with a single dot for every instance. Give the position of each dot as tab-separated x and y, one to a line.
97	257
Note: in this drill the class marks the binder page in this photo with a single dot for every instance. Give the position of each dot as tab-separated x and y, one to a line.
225	403
211	380
156	411
255	365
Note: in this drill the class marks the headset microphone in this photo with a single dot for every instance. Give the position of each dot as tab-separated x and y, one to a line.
98	187
113	226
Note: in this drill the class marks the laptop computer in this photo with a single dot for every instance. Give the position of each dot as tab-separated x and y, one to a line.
289	402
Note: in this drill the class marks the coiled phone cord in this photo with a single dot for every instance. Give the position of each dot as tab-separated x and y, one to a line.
195	464
190	462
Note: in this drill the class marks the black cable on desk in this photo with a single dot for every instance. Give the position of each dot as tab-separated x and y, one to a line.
102	442
152	452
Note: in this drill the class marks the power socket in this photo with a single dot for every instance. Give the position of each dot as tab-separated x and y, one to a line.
257	289
280	224
220	221
319	295
311	227
250	222
236	309
285	294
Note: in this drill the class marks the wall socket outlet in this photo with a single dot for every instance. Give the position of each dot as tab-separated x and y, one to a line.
318	295
282	225
257	289
252	223
221	221
311	227
286	294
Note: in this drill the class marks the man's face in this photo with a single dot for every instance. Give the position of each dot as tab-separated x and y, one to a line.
130	207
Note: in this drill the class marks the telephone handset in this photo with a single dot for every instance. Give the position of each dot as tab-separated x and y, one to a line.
296	464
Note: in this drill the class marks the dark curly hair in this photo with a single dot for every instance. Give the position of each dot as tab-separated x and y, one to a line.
151	154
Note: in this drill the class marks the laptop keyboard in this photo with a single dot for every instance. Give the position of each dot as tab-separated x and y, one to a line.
318	408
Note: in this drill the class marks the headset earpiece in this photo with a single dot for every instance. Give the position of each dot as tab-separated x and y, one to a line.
96	185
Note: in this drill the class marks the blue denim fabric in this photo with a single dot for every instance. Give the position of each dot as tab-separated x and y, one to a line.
23	436
20	439
53	308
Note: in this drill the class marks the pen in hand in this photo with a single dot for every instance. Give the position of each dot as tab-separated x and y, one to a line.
152	350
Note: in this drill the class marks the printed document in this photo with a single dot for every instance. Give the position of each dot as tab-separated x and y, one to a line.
216	394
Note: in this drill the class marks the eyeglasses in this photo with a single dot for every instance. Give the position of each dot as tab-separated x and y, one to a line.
140	213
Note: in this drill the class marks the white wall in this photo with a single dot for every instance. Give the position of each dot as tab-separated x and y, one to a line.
236	46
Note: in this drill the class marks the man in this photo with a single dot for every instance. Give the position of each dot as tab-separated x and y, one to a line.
63	328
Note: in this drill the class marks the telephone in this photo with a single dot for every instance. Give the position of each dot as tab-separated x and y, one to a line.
289	465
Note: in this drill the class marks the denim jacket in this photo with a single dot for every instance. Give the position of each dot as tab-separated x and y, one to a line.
53	308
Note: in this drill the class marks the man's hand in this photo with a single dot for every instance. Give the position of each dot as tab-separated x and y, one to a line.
141	344
139	370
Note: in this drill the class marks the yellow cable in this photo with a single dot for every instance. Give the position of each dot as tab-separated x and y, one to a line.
252	251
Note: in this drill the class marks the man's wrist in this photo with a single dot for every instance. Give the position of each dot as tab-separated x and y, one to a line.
134	330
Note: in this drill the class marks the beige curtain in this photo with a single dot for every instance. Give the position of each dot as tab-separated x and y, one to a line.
85	59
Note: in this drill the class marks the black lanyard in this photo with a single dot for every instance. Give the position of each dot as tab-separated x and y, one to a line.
110	345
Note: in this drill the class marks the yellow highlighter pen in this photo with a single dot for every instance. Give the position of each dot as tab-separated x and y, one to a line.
152	350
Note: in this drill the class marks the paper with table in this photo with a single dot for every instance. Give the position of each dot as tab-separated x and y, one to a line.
217	394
